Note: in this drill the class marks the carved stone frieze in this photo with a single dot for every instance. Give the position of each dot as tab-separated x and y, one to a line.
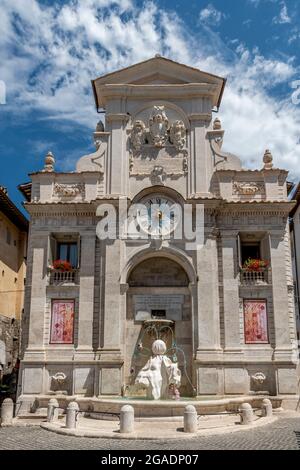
68	190
246	188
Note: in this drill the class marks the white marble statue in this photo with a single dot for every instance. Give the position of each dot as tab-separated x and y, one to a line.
159	373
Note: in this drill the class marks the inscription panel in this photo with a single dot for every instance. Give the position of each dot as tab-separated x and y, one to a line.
145	305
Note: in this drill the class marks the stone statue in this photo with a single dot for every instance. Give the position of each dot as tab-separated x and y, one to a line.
138	135
178	134
158	126
159	373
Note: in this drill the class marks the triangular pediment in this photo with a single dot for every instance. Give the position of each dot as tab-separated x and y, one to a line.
161	67
158	79
159	71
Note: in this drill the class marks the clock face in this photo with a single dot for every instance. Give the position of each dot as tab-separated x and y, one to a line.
157	216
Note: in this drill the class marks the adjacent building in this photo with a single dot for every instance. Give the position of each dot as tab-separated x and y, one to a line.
13	246
229	295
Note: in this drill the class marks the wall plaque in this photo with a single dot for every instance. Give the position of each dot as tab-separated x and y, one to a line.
147	306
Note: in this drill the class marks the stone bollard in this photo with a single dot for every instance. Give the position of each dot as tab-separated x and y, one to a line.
247	415
7	412
127	419
190	419
72	410
52	412
266	408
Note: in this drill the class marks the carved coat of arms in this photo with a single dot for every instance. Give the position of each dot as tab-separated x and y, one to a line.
158	126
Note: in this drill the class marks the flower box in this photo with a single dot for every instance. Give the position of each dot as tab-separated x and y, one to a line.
61	265
255	264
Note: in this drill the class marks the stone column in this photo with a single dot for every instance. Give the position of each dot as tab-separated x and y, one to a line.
232	344
86	293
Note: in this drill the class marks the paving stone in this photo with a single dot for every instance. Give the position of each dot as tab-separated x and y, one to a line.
283	434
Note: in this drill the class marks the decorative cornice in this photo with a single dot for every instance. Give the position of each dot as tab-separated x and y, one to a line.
117	117
199	117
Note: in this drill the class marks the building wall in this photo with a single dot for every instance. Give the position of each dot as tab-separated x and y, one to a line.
12	279
211	332
12	268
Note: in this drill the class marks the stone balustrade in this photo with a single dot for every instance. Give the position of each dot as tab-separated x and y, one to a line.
254	277
58	277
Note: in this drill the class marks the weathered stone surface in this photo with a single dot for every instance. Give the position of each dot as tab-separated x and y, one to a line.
176	156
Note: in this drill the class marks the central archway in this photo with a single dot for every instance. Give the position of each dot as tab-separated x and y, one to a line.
158	288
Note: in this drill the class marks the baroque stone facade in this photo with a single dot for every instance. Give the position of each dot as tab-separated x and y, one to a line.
160	142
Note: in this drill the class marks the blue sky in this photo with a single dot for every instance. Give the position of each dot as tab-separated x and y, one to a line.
49	52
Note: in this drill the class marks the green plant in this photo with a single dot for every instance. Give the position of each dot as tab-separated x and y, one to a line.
255	264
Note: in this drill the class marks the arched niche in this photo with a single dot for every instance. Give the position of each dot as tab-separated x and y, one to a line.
158	272
158	288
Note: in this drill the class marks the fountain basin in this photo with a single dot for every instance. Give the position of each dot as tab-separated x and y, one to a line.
144	408
106	407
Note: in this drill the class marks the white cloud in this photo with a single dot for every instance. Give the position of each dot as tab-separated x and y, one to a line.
283	16
210	15
60	48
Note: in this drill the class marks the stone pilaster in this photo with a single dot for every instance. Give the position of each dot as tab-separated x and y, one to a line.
208	322
198	179
232	346
39	280
117	168
282	320
86	294
110	325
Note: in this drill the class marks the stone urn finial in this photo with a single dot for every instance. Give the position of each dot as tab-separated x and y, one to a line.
217	124
268	160
49	162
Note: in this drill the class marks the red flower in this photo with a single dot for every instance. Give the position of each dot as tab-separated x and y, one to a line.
62	265
255	264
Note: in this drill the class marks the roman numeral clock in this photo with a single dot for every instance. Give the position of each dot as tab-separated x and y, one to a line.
158	216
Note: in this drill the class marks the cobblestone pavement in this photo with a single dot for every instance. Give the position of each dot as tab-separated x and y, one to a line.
282	434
